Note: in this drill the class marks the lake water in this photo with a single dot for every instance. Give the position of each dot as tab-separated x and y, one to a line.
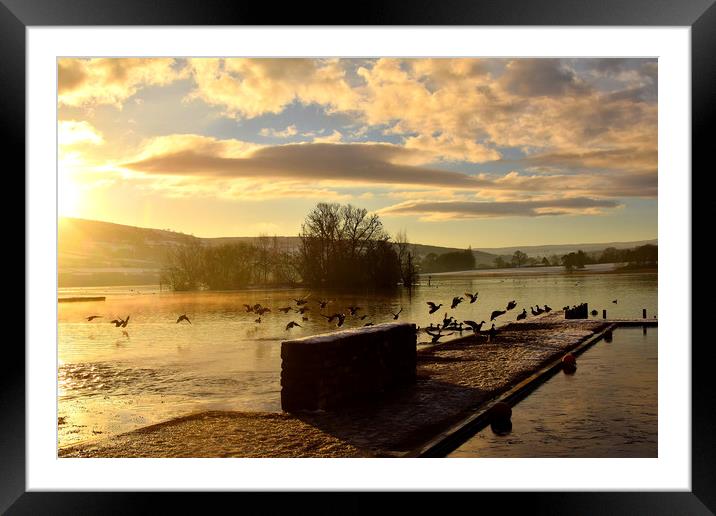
110	383
608	408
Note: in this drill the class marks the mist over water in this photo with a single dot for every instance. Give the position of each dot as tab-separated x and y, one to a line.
109	383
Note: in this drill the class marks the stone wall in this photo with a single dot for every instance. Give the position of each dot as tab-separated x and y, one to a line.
331	370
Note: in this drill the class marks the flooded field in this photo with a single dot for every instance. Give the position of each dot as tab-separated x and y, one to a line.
109	382
608	408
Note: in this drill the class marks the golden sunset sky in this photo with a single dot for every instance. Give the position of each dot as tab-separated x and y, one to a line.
481	152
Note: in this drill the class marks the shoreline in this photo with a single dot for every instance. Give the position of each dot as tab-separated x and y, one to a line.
454	380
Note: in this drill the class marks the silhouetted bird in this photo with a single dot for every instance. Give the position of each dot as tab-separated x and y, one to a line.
565	308
341	318
615	301
496	314
534	312
353	309
304	318
285	309
292	324
522	315
447	320
433	307
491	332
93	317
323	302
118	322
473	297
183	317
475	327
395	316
511	304
547	309
538	309
257	307
258	320
368	324
262	310
124	323
437	336
301	300
456	301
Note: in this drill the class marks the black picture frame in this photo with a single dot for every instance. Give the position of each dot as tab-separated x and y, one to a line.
700	15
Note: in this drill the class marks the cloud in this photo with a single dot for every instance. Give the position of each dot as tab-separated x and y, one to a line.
445	210
72	132
341	163
541	77
289	131
89	82
253	87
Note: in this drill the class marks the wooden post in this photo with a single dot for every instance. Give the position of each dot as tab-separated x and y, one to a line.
604	314
643	313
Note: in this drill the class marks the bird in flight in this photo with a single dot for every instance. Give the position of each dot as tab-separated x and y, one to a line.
473	297
447	320
183	317
456	301
511	304
496	314
475	327
301	300
341	318
437	336
292	324
395	316
433	307
93	317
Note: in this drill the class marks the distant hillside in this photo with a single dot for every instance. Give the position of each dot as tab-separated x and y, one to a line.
562	249
94	253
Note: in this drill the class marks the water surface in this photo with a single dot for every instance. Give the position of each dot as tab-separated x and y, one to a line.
110	383
608	408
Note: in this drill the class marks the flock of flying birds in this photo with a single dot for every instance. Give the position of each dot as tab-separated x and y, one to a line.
122	323
450	323
436	332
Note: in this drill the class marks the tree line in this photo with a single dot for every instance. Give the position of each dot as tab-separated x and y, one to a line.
341	246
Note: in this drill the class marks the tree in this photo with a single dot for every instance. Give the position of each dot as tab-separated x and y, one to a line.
500	262
408	271
519	258
344	246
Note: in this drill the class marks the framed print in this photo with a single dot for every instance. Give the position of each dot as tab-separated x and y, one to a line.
405	251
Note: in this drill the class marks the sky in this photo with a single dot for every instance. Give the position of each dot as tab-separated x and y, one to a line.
456	152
